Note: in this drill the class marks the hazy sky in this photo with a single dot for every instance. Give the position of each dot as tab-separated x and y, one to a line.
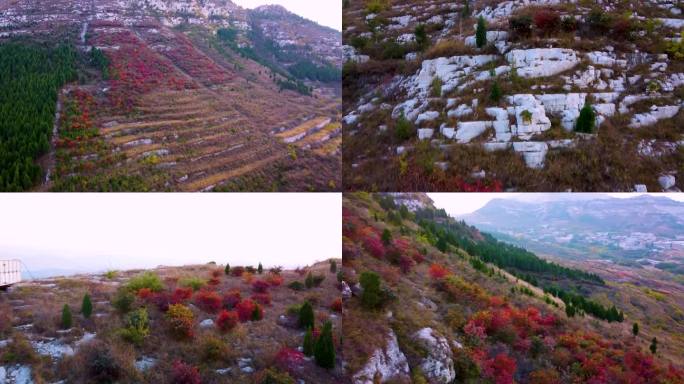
324	12
463	203
97	232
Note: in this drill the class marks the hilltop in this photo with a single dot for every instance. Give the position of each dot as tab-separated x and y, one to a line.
167	96
448	303
549	96
190	324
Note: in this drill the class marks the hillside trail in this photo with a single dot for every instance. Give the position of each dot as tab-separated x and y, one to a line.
51	158
537	291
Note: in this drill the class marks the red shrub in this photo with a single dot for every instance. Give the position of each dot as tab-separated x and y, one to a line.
183	373
217	273
260	286
245	308
227	320
337	305
237	271
231	299
374	245
145	293
214	281
547	20
162	301
208	301
181	294
418	257
289	359
405	264
275	279
500	369
262	298
438	272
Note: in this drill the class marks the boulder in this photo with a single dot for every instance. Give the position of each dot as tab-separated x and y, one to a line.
346	291
657	113
542	62
533	152
468	130
388	363
667	181
425	133
438	365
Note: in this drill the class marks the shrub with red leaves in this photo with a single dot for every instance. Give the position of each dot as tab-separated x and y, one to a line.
289	359
145	293
500	369
162	300
418	257
213	281
374	245
245	308
216	273
262	298
208	301
231	299
337	305
227	320
260	286
181	295
183	373
405	264
237	271
438	272
275	279
547	20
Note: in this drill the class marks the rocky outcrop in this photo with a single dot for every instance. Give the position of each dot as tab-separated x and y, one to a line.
438	365
542	62
385	364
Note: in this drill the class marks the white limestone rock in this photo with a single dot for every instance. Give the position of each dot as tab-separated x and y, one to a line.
542	62
425	133
533	152
640	188
657	113
466	131
427	116
492	37
388	363
461	111
438	365
666	181
527	126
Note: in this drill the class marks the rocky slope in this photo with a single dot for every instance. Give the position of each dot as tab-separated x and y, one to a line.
505	114
418	314
192	95
36	346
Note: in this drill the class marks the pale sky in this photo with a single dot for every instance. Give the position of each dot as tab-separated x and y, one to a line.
464	203
97	232
324	12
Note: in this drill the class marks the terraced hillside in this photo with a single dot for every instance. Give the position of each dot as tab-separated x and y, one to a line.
190	324
549	96
165	103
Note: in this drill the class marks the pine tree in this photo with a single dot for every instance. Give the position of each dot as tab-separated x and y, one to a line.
324	351
308	342
421	36
309	281
481	33
386	237
87	306
257	313
570	310
260	269
587	119
306	316
635	329
495	94
465	12
227	270
66	317
333	266
370	282
654	346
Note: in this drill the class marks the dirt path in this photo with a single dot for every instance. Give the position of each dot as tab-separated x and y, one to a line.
50	165
537	291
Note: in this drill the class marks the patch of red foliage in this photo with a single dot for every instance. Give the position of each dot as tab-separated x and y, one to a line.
231	299
337	305
262	298
245	308
237	271
260	286
144	293
227	320
183	373
208	301
547	20
181	295
214	281
373	243
438	271
500	369
162	300
275	279
289	359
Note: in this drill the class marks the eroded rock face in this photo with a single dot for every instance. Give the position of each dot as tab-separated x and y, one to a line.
386	364
542	62
438	366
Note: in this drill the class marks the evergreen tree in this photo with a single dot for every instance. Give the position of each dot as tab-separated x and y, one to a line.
66	317
260	269
587	119
654	346
370	282
465	12
570	310
421	37
257	313
227	270
324	350
333	266
386	237
481	33
635	329
495	94
306	316
442	244
309	281
308	342
87	306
